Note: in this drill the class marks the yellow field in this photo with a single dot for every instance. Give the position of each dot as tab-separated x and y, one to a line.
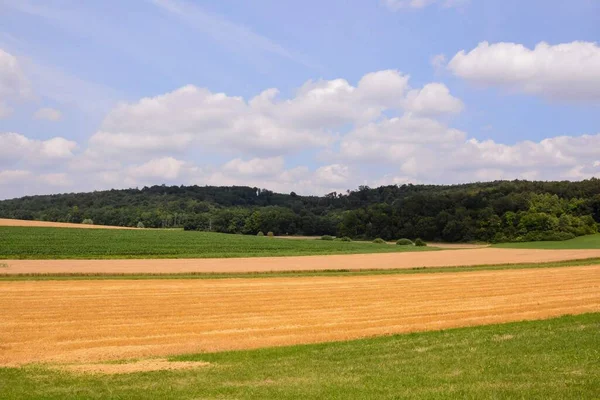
87	321
443	258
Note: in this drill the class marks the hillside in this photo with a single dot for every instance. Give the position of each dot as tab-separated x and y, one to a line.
495	211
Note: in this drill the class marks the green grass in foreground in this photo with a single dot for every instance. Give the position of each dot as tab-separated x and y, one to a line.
287	274
550	359
581	242
68	243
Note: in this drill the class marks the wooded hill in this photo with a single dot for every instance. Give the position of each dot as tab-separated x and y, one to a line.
493	212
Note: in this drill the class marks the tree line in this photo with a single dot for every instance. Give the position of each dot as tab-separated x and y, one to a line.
492	211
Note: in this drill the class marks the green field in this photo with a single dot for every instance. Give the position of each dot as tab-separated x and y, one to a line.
581	242
69	243
549	359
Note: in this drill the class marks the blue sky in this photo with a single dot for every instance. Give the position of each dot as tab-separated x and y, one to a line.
74	75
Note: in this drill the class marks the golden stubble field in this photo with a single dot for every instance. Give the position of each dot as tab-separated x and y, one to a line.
406	260
89	321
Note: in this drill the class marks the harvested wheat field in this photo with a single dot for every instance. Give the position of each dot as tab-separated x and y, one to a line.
87	321
47	224
447	258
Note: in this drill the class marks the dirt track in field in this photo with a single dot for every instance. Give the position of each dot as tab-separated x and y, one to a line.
87	321
46	224
443	258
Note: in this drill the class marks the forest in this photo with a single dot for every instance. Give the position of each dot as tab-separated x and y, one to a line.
500	211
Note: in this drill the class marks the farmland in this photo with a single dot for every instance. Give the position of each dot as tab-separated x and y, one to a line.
556	358
582	242
75	321
345	262
66	243
85	316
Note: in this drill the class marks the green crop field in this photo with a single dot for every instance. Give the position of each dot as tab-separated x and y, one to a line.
582	242
548	359
68	243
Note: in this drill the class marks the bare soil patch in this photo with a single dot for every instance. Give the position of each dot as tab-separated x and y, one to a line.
450	258
93	321
46	224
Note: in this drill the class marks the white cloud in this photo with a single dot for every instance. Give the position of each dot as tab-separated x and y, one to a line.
55	179
438	62
396	139
433	99
396	5
166	168
569	71
15	147
334	174
425	150
196	118
13	83
13	176
255	167
49	114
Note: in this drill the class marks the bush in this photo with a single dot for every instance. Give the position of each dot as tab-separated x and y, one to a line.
87	221
326	237
404	242
379	241
270	234
190	226
140	225
345	239
420	243
260	233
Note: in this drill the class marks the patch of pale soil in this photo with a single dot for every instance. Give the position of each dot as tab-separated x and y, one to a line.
442	258
92	321
137	366
47	224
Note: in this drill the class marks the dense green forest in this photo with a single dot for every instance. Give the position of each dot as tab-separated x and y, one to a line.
498	211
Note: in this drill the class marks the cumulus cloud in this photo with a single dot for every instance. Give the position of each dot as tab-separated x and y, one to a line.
426	150
13	83
193	117
377	131
49	114
13	176
568	71
165	169
255	167
15	147
433	99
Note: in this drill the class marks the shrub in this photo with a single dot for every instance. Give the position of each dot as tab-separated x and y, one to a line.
270	234
404	242
140	225
419	242
345	239
190	226
379	241
260	233
326	237
87	221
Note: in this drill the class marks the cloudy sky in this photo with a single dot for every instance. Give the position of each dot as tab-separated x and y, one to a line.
310	96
